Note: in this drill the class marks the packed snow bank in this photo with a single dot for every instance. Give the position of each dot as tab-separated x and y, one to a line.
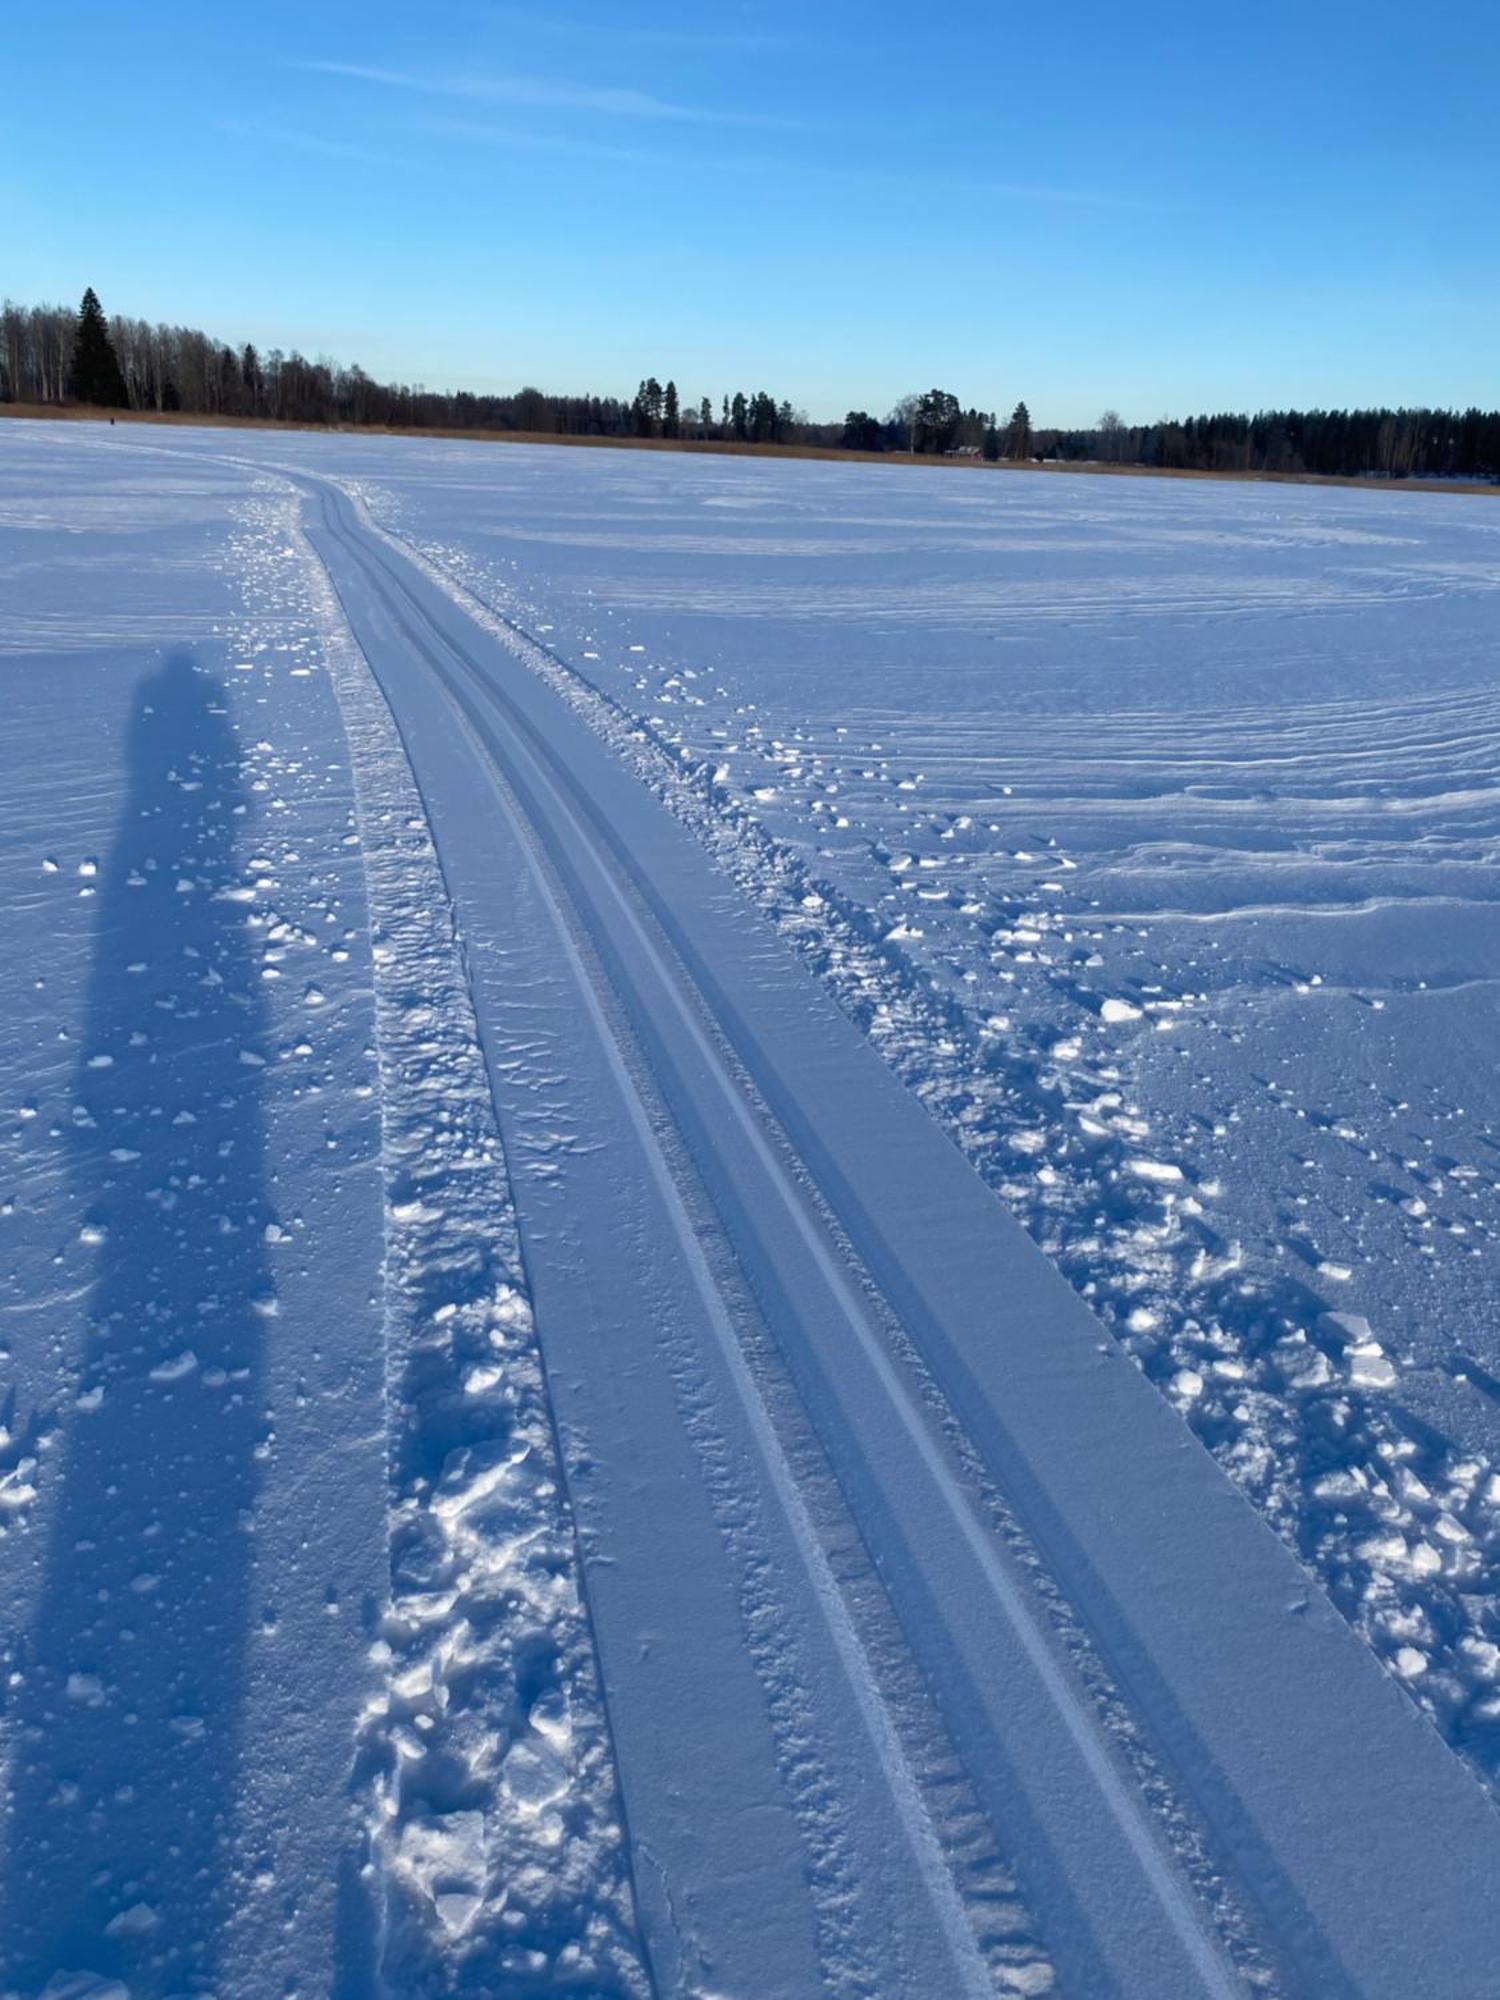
496	1845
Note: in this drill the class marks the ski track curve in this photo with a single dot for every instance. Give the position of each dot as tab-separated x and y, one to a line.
791	1184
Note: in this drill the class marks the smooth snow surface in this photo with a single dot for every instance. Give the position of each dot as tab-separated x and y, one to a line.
531	1461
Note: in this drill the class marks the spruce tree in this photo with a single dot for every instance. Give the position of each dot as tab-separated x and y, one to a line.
96	369
671	420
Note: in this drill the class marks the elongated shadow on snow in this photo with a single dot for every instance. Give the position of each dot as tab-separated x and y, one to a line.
125	1726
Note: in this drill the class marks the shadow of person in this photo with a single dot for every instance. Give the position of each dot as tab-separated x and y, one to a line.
124	1724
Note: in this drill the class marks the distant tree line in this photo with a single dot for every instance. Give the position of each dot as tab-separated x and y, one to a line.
52	355
1391	444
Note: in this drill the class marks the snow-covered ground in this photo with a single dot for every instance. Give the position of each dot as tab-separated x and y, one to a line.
529	1464
1185	798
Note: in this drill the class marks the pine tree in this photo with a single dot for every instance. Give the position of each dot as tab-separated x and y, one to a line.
671	419
96	369
935	421
862	432
1018	437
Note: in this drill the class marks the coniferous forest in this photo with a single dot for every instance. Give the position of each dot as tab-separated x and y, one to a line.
55	355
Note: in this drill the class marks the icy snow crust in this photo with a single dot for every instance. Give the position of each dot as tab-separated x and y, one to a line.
1168	898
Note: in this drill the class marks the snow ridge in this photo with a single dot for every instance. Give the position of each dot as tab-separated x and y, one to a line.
495	1846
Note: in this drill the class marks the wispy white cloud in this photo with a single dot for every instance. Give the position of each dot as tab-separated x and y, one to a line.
527	93
541	94
638	34
310	142
809	173
1003	191
557	144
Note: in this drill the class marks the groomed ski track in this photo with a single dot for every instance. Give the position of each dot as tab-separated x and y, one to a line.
780	1313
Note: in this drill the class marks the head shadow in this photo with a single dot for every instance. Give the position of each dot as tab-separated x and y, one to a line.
126	1693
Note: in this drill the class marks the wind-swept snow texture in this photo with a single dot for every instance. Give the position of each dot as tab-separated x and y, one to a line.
533	1463
1150	830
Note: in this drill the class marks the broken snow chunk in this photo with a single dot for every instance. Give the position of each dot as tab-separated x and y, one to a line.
174	1369
134	1922
533	1776
443	1858
16	1487
1369	1367
1161	1171
1114	1011
1352	1329
456	1909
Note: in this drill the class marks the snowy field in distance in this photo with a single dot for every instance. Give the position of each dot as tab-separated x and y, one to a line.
1146	829
1183	797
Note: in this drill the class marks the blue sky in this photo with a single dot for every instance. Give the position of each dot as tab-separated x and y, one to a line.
1158	206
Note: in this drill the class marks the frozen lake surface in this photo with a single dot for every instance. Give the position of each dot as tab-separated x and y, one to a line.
456	1252
1184	796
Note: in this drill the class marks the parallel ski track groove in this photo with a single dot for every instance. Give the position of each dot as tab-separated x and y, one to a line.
656	1989
785	1485
640	905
